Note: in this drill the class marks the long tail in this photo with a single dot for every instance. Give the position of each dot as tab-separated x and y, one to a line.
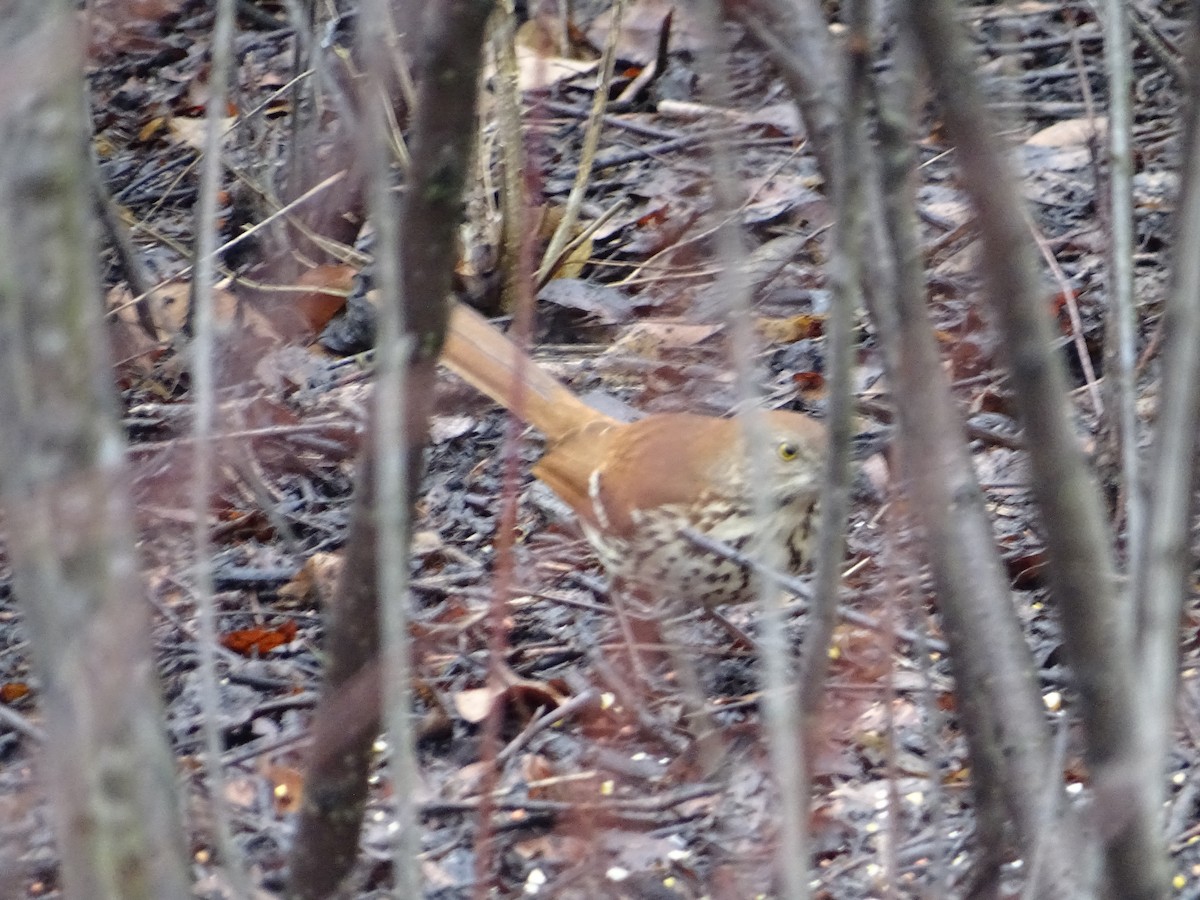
485	358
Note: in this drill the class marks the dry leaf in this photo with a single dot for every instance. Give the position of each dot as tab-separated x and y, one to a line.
259	641
1070	132
523	695
790	329
316	580
191	131
474	704
287	787
649	339
12	691
330	286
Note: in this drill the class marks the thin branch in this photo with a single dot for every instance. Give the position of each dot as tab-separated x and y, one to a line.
1078	543
203	372
587	156
781	698
1161	573
393	503
846	267
1122	309
65	483
346	721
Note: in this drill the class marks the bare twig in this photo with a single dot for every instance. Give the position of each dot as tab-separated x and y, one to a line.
514	197
519	297
131	262
393	502
1122	311
781	708
998	701
846	270
796	36
587	156
203	346
104	764
1071	303
1161	573
346	719
1097	633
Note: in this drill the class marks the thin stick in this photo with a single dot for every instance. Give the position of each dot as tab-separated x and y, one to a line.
1121	309
391	442
781	708
587	156
203	391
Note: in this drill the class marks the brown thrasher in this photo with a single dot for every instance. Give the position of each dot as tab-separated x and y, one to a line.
639	487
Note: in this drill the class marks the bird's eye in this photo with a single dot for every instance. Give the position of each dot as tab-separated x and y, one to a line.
788	451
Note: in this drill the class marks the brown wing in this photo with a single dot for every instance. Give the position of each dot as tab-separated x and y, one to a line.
567	465
664	460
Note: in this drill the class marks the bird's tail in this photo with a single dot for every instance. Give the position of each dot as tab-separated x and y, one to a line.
484	357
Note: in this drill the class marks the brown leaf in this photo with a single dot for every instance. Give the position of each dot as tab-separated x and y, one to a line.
120	26
316	580
521	695
329	286
12	691
259	641
1026	569
809	384
1070	132
287	787
792	328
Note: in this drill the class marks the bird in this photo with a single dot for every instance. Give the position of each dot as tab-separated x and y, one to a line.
644	490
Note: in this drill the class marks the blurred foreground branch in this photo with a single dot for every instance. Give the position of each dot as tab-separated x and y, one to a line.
1078	543
65	488
347	717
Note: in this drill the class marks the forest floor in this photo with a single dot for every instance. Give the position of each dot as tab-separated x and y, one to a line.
613	799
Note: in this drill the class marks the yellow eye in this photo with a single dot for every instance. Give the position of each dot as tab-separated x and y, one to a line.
788	451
